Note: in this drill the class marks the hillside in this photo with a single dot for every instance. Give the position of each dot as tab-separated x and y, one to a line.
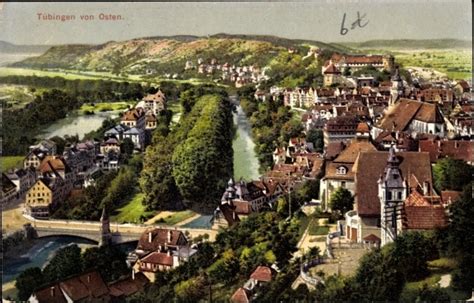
9	48
169	54
411	44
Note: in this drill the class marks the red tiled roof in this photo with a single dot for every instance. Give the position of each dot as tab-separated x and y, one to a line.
159	258
369	167
242	207
350	153
240	296
450	196
332	69
133	114
87	285
262	274
424	217
159	237
50	294
456	149
372	238
362	127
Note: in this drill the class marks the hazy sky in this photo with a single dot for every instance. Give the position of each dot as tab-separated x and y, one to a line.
306	20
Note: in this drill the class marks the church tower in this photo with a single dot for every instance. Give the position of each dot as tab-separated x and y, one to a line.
392	193
397	89
105	234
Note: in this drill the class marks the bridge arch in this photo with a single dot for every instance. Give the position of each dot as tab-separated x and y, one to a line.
90	239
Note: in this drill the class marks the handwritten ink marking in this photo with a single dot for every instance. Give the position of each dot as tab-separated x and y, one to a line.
357	23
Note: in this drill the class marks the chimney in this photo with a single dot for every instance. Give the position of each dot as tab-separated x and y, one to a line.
456	144
169	235
426	188
133	274
52	291
149	237
168	253
89	278
439	143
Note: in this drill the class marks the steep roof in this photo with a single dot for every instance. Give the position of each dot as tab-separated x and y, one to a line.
419	213
262	273
53	163
350	153
369	167
407	110
332	69
7	184
455	149
160	237
50	294
128	286
240	296
159	258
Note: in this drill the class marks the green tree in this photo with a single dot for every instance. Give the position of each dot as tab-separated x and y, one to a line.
28	281
341	201
316	137
66	262
127	146
108	260
451	174
191	290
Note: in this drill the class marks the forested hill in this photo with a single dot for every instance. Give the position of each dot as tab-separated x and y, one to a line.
170	52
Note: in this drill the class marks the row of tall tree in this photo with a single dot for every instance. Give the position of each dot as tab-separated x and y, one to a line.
192	162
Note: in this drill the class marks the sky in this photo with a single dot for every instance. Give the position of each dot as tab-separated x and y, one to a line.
322	20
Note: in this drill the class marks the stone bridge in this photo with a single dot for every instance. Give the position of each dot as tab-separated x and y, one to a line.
91	230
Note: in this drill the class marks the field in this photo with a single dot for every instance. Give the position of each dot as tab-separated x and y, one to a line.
132	211
11	162
455	63
105	106
16	96
175	218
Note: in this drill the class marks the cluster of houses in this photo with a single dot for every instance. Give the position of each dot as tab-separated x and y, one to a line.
239	75
89	286
380	142
48	178
249	291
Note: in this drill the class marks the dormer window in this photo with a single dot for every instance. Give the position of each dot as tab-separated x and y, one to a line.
341	170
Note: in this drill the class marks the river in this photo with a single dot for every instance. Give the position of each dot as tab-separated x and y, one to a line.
76	124
245	159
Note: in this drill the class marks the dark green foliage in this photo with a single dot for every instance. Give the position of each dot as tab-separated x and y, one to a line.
316	137
451	174
21	125
66	262
108	260
127	146
341	201
271	125
372	71
28	281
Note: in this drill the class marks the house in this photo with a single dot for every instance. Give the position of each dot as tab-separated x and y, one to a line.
371	169
85	287
150	121
110	145
34	158
331	75
23	180
46	146
116	132
339	172
155	103
343	128
412	116
137	136
54	166
134	117
401	141
245	197
456	149
355	62
160	249
125	287
249	292
8	190
44	196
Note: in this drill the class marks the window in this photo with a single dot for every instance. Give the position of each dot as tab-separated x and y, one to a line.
399	195
341	170
389	195
343	184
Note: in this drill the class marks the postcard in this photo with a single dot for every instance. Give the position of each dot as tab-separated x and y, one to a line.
245	152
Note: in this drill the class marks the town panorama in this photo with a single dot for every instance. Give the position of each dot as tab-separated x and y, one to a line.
238	168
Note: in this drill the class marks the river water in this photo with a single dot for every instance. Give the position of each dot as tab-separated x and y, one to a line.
245	159
76	124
